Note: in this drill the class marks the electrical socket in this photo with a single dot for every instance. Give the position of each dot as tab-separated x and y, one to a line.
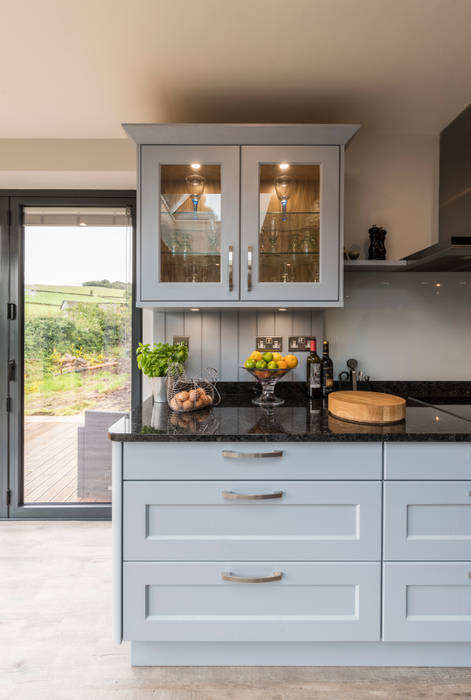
181	339
269	342
300	343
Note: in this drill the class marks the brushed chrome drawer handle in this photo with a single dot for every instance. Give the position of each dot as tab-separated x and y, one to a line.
231	268
228	576
250	455
249	268
232	496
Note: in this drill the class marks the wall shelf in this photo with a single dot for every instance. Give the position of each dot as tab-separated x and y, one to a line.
375	265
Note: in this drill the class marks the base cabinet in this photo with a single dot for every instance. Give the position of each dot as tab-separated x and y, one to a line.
237	601
427	602
271	555
252	520
427	520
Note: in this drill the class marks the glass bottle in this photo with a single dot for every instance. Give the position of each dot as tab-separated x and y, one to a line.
313	372
327	374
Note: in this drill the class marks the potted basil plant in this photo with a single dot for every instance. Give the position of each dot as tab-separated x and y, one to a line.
155	362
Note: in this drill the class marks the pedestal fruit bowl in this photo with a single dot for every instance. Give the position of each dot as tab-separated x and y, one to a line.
268	368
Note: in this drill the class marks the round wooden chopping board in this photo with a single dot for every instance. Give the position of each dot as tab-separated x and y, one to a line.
367	407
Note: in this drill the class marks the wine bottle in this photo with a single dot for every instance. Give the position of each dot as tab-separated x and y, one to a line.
327	371
313	372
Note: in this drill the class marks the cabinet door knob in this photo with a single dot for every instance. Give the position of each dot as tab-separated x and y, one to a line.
249	267
251	455
228	576
232	496
231	267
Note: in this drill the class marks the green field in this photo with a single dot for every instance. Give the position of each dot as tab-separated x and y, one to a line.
97	331
46	299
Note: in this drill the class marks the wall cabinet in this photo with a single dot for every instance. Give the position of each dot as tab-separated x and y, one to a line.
242	216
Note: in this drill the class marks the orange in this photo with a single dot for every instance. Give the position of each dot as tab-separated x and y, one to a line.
291	361
282	364
255	355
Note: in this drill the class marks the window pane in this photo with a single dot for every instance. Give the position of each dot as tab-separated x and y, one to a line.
77	349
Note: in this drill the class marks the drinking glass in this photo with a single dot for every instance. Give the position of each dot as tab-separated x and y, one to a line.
195	185
284	187
273	234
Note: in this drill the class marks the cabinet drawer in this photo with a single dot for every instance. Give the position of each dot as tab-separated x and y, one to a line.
433	460
249	460
427	520
427	602
212	520
311	602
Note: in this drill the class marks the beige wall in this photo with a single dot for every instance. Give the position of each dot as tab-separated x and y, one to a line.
67	164
395	325
391	179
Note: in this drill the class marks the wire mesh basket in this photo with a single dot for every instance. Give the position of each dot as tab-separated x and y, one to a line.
185	394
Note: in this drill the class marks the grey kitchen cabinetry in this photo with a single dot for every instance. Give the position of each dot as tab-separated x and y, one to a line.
427	520
427	543
252	520
427	602
204	601
240	216
243	553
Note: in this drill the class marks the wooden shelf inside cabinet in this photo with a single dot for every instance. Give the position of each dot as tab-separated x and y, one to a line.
375	265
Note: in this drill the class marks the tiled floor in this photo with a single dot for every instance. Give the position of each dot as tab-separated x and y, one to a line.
55	628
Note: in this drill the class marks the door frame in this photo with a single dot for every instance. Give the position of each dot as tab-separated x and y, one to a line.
17	201
4	330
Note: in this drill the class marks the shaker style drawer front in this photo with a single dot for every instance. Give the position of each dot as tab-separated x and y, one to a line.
427	602
251	520
252	460
427	520
239	601
433	460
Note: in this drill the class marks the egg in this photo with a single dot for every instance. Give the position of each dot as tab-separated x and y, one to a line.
193	395
200	403
187	405
175	405
209	399
201	391
182	396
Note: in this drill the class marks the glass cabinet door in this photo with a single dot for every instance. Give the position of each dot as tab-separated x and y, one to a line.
189	223
290	223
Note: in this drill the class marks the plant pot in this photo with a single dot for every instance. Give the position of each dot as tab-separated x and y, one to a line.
159	389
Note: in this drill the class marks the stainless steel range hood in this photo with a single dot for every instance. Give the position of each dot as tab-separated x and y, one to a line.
453	251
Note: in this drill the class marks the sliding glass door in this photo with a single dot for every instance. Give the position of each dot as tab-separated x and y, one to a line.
73	273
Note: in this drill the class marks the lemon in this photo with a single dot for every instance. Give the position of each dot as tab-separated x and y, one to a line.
255	355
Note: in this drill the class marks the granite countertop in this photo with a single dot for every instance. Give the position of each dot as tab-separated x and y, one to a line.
440	416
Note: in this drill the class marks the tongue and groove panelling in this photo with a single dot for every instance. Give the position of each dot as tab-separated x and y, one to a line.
223	340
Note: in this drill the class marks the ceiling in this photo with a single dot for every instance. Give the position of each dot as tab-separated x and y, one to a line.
79	69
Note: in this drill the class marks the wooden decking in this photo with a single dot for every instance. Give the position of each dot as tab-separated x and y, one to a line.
50	464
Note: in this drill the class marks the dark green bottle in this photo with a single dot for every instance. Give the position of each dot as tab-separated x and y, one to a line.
313	372
327	372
